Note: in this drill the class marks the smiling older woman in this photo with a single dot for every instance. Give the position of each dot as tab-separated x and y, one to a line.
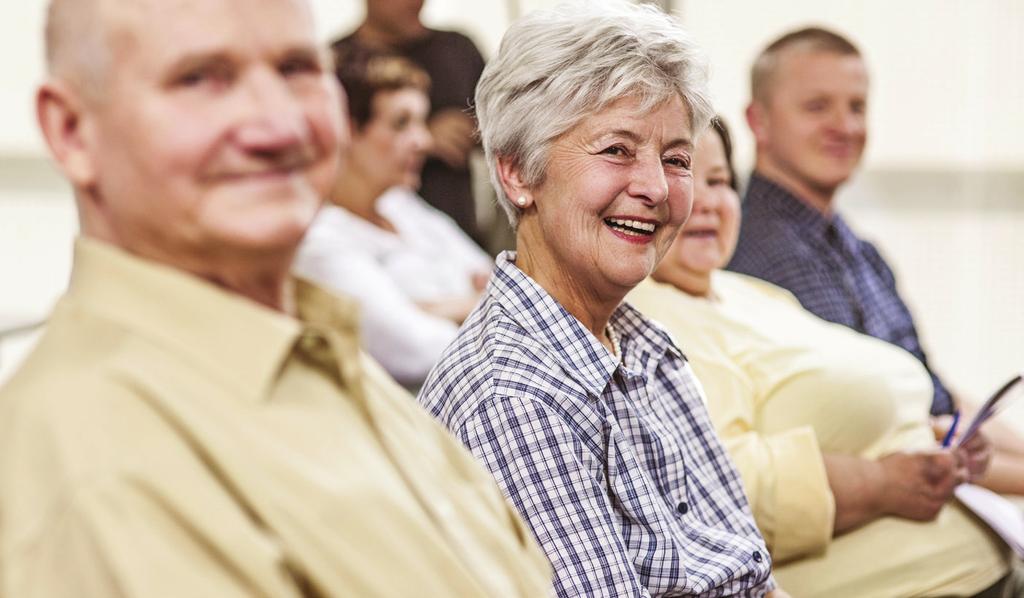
586	413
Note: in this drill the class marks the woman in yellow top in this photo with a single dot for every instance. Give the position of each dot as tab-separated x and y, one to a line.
829	428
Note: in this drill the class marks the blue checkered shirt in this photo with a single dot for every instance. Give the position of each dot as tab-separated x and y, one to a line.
615	466
834	274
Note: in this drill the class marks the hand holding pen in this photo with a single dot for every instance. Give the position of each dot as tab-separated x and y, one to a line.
947	440
976	451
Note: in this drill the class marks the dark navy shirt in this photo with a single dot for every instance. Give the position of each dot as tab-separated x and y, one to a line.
834	273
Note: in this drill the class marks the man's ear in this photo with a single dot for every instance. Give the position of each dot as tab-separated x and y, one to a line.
757	120
65	125
510	176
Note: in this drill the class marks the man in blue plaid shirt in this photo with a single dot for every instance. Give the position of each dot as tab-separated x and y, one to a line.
808	115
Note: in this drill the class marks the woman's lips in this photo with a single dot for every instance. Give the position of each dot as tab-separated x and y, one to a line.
701	233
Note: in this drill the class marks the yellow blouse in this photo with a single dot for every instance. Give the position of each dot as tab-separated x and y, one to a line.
783	388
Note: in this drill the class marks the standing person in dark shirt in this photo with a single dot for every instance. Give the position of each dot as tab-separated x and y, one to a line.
454	65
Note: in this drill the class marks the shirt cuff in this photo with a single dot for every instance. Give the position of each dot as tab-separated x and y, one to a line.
796	512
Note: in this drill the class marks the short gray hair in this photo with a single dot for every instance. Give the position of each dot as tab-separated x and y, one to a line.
555	67
77	48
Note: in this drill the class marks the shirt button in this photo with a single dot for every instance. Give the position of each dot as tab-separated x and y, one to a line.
757	556
310	341
682	508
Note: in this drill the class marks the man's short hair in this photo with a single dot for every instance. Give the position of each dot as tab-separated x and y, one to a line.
810	39
77	48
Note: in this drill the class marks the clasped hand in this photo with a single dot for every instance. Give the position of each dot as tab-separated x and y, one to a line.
917	485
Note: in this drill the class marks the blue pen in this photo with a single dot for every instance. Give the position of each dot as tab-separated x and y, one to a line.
952	430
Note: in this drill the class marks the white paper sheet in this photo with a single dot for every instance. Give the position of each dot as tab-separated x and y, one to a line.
1004	517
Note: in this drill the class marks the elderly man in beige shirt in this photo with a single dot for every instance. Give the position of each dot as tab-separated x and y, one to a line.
194	422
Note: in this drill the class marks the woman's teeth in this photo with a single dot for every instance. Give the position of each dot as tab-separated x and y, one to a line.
631	227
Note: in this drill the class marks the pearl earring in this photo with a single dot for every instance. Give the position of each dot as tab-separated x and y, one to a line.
521	201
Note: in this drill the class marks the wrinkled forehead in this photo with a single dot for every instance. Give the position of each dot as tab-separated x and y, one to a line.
152	33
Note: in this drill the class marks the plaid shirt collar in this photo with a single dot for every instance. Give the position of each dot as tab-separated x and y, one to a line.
571	344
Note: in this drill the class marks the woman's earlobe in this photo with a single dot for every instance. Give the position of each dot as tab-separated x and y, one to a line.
512	183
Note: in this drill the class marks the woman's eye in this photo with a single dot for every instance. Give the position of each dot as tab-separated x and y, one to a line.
615	150
678	162
716	182
400	123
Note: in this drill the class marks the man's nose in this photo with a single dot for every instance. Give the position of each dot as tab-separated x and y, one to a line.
272	116
847	121
648	180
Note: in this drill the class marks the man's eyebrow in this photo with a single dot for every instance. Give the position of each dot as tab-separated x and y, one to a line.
199	59
224	57
308	52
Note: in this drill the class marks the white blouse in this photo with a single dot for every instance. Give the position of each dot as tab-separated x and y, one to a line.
428	259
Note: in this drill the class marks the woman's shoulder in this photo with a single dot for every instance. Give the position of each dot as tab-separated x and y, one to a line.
493	338
417	219
335	228
403	205
749	286
492	355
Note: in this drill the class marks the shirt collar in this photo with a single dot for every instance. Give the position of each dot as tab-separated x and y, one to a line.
570	343
648	342
765	195
232	338
844	235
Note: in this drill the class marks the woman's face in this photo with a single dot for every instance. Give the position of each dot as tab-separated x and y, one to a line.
708	239
617	188
389	149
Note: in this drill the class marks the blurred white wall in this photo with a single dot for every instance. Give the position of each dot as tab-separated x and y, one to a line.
942	190
946	85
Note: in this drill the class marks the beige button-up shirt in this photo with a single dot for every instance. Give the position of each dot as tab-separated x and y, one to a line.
168	438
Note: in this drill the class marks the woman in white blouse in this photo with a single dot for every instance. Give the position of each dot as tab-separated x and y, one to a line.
414	272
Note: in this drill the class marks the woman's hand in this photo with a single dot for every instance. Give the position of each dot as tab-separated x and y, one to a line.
977	452
452	130
917	485
480	280
908	485
456	309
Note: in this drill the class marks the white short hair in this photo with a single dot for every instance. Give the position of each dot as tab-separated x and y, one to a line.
555	67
